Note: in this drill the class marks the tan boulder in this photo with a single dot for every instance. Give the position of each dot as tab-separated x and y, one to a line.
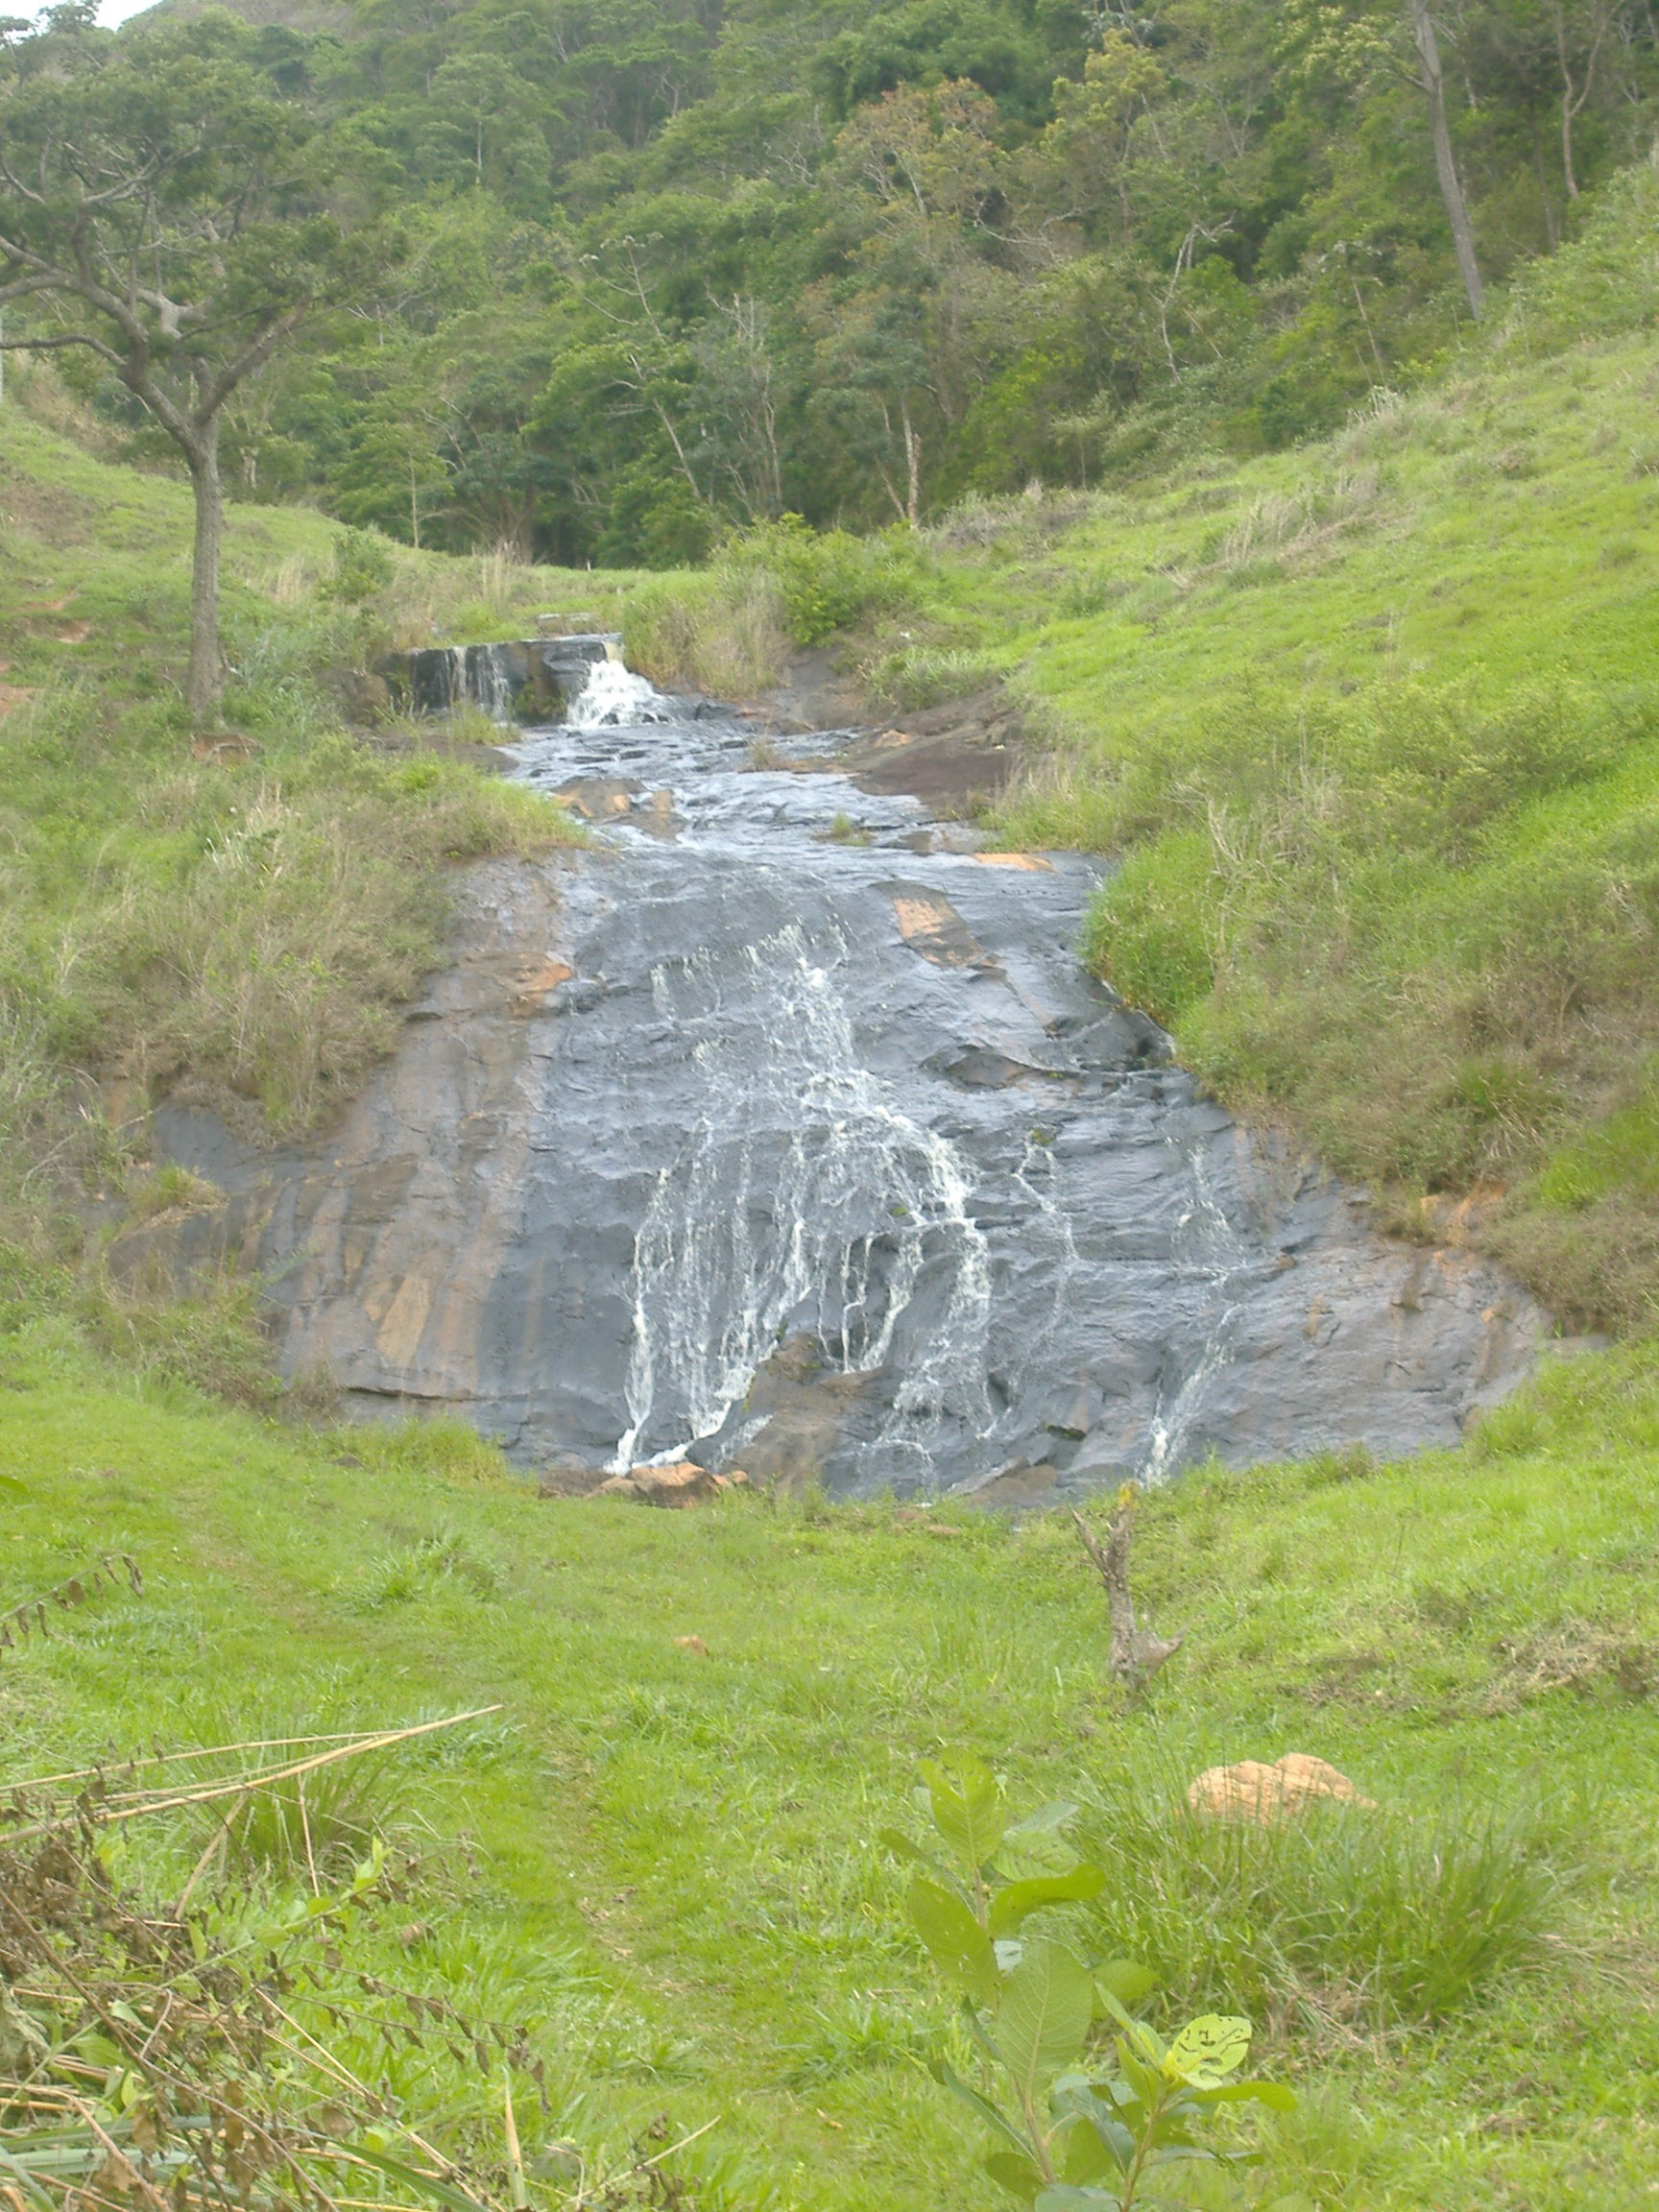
683	1483
1251	1791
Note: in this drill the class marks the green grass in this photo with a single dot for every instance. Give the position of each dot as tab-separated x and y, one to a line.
235	928
673	1867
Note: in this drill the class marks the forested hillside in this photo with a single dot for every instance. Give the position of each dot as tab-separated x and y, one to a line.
660	266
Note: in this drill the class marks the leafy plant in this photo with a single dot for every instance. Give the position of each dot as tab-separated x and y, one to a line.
1071	2137
362	566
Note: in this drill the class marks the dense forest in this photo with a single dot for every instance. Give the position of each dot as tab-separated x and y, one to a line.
646	269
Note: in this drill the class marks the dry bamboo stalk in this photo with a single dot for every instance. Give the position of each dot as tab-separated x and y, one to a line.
160	1801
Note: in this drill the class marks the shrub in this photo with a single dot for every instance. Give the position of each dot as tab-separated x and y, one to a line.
363	565
719	631
1073	2132
825	580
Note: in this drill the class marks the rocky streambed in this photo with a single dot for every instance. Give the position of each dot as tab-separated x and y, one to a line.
783	1128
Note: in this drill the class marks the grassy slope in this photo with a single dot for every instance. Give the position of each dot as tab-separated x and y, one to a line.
1265	681
235	928
114	544
676	1870
1494	527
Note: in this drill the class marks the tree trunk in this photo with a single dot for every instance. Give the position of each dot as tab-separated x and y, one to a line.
1433	85
202	684
912	472
1569	175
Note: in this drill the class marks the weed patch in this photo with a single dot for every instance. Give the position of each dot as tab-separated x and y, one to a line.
1338	1922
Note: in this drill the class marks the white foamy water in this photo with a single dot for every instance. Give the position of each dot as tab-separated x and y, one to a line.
614	698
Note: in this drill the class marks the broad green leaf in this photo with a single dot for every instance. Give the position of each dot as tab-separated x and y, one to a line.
1047	2003
998	2121
1082	2101
1019	2174
1046	1819
1273	2094
1140	2036
901	1847
1012	1903
1207	2050
967	1805
1084	2157
1126	1980
955	1941
1066	2198
1147	2083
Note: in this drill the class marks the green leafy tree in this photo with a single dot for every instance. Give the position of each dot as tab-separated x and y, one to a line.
159	207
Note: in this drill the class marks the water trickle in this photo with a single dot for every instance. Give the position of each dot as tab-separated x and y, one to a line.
855	1171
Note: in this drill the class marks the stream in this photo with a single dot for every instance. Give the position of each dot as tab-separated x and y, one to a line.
783	1128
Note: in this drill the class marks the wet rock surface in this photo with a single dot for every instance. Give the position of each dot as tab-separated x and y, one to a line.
731	1143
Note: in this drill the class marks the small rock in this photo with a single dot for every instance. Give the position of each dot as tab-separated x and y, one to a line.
1251	1791
568	1474
224	745
685	1484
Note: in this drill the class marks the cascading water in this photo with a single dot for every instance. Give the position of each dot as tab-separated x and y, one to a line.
780	1126
843	1157
804	1199
527	678
614	698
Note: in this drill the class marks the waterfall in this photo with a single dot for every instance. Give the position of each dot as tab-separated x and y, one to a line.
489	681
803	1197
536	680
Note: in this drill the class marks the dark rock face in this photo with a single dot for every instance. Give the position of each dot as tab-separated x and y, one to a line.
738	1146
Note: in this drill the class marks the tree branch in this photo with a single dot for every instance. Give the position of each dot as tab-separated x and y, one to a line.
50	344
253	356
1136	1653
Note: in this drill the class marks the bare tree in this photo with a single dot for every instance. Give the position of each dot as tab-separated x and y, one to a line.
1432	81
1137	1654
1575	95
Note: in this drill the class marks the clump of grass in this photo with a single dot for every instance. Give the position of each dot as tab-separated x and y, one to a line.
439	1447
226	935
170	1189
208	1341
430	1566
1338	1922
314	1826
858	2036
720	631
924	676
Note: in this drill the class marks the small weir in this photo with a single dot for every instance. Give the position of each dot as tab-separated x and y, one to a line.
526	679
783	1128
